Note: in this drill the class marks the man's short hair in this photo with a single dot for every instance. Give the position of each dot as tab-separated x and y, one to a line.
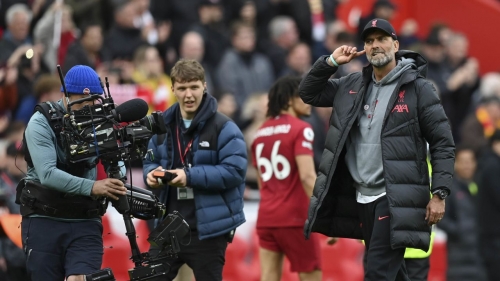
86	26
45	84
14	149
279	25
239	25
16	8
464	147
186	70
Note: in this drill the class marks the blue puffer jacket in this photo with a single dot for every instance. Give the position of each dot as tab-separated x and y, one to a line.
217	177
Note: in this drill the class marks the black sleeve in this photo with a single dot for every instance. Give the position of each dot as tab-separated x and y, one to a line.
437	132
317	89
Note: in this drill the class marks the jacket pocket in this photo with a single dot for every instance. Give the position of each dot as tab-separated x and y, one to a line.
397	128
228	207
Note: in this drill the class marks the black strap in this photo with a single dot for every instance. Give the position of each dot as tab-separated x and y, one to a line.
37	199
54	115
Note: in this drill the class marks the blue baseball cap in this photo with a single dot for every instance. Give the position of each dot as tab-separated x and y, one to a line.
82	80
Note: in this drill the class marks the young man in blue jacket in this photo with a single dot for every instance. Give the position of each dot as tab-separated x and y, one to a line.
210	171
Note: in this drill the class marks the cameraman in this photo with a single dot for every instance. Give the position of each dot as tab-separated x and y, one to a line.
208	188
61	225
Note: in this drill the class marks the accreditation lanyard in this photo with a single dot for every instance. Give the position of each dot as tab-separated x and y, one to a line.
183	156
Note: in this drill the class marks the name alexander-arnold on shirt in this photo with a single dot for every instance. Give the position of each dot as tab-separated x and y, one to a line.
273	130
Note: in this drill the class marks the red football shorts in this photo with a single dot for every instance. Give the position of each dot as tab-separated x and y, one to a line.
304	255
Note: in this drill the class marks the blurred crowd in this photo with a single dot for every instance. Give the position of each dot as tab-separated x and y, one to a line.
244	46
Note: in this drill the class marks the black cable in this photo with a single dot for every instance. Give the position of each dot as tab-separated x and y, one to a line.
131	185
15	158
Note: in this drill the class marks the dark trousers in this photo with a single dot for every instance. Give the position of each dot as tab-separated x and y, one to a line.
382	263
57	249
418	269
205	257
16	274
490	252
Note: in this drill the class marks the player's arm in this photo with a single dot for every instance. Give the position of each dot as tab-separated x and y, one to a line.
307	173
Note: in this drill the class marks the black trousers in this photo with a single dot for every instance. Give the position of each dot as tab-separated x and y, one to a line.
490	251
205	257
418	269
382	263
57	249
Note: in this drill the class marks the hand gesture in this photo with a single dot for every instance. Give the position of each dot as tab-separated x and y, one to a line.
435	210
345	54
110	188
152	181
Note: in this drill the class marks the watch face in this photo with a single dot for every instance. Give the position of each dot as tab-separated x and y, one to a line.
442	194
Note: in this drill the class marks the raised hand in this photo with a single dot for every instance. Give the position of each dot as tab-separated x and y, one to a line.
345	54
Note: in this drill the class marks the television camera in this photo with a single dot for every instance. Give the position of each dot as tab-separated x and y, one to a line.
114	134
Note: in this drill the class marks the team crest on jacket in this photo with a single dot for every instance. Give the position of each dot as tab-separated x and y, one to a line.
401	96
401	106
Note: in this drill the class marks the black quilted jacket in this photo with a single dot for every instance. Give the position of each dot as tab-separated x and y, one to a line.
414	115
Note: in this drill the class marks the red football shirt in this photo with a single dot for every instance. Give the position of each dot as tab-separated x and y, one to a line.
279	140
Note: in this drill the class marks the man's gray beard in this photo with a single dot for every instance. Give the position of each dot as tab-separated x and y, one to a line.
381	62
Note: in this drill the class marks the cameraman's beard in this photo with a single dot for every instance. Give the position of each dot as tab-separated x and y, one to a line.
381	61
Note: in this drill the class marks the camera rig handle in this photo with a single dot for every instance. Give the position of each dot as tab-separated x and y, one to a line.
123	207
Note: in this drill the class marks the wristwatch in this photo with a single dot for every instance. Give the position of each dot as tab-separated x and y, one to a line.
442	193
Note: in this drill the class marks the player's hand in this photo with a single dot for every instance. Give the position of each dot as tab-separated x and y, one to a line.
435	210
345	54
180	180
332	240
152	181
110	188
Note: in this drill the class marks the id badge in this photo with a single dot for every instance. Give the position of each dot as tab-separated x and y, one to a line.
185	193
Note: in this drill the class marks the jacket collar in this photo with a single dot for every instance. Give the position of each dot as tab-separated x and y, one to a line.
207	109
410	75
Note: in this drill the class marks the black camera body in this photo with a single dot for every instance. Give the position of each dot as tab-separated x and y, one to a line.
97	131
102	275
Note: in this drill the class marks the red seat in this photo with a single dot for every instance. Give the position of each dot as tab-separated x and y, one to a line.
117	251
342	261
438	262
236	267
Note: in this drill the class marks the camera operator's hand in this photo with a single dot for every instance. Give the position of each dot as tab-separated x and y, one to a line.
152	181
109	188
180	180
